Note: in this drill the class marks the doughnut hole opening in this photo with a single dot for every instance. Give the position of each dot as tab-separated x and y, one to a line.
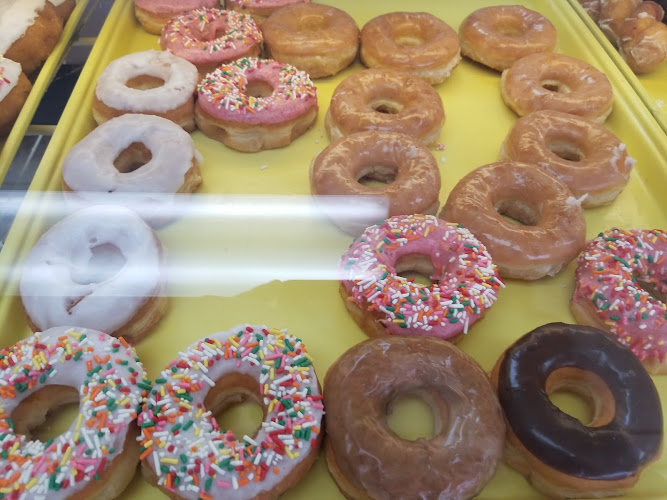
413	415
211	31
556	86
408	35
651	287
106	260
386	106
566	150
377	175
417	268
510	26
132	158
236	404
312	23
581	394
144	82
46	413
518	212
258	89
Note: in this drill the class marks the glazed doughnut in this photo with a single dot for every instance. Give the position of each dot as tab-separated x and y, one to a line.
385	100
416	42
64	8
260	10
643	38
553	231
100	267
151	82
382	302
621	288
408	168
613	14
500	35
368	460
96	457
316	38
558	82
139	161
626	431
592	8
210	37
582	154
187	455
154	14
14	90
29	30
255	104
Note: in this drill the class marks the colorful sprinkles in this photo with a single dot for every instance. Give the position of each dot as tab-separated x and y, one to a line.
467	280
225	88
181	440
111	391
612	275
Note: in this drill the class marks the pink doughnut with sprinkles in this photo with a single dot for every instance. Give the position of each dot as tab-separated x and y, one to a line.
465	280
621	288
96	457
260	9
255	104
184	451
210	37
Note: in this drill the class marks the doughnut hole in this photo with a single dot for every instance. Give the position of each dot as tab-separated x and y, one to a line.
518	212
258	88
651	287
510	26
566	150
211	31
377	175
144	82
46	413
312	23
133	157
417	268
581	394
236	404
555	86
408	35
386	106
106	260
414	415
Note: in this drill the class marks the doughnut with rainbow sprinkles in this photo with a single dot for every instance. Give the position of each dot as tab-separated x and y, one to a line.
465	280
184	451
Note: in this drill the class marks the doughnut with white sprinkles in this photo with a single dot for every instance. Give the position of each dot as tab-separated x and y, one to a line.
185	452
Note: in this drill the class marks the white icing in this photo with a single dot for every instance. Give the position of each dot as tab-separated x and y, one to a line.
15	18
180	81
9	76
56	285
88	168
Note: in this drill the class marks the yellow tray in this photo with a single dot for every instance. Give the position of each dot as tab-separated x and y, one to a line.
255	249
651	87
10	145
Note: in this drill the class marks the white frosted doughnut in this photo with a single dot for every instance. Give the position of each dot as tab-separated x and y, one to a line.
61	285
15	17
89	169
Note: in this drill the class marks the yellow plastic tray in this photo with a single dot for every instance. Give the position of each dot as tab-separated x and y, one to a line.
255	249
651	87
10	144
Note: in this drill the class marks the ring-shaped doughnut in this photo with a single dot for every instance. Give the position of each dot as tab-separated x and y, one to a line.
368	460
385	100
415	42
66	281
139	161
181	440
127	86
408	167
153	16
381	301
553	231
260	10
227	109
621	288
96	457
316	38
626	431
584	155
500	35
557	82
210	37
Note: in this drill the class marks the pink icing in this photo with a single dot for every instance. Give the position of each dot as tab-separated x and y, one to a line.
465	282
174	5
222	93
196	36
250	4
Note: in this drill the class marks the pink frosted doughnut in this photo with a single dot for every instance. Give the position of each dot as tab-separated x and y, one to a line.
188	456
229	111
210	37
465	280
260	9
154	14
96	457
612	278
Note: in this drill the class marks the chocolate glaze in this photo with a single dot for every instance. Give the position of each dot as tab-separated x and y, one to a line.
609	452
